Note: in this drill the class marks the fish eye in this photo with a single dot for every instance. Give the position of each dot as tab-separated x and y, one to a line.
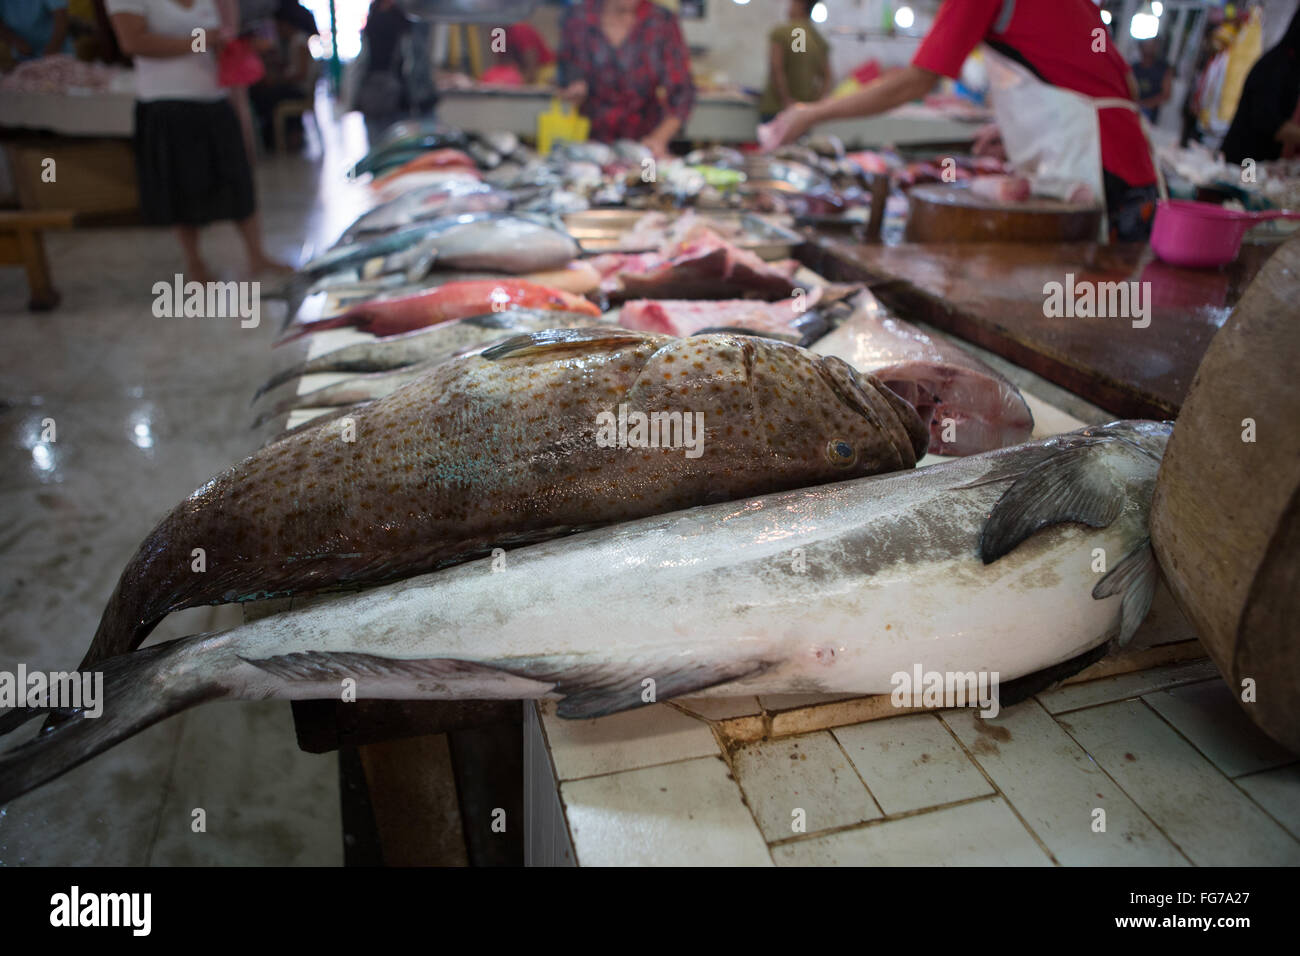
841	453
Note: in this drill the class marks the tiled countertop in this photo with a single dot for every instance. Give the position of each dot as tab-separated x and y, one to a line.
1165	754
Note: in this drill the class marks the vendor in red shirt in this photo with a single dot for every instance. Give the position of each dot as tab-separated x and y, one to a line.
627	66
1063	97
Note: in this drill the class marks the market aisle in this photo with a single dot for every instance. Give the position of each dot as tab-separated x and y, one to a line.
144	410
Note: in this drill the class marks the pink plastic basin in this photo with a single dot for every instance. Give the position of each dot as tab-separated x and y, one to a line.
1202	235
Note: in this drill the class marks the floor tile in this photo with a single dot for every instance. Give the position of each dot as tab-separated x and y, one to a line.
911	762
1210	820
1056	788
805	780
984	833
1278	792
1208	716
636	738
1125	686
680	814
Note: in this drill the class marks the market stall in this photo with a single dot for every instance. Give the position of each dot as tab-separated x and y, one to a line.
867	487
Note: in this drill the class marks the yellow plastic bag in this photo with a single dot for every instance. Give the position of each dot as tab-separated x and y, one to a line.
561	123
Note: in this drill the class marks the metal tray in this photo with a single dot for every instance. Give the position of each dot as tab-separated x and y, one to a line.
600	230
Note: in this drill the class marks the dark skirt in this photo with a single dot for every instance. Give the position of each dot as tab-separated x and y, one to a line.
191	163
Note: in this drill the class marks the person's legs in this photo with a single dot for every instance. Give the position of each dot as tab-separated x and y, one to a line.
196	270
259	261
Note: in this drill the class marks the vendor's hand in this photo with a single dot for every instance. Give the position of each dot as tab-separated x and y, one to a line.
575	92
656	144
787	126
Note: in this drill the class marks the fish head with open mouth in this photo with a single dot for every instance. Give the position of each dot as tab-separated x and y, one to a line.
776	409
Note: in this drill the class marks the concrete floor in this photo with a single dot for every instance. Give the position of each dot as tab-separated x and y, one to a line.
146	409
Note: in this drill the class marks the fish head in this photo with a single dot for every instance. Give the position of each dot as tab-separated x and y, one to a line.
811	418
1148	437
868	405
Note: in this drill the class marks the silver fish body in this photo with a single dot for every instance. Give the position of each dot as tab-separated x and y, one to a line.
985	564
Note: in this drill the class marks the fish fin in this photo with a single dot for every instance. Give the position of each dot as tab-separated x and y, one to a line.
332	666
139	690
599	690
528	344
1022	688
1065	487
1135	578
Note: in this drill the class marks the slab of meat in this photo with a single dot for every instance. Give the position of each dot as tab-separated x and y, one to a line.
941	381
704	267
792	320
1001	188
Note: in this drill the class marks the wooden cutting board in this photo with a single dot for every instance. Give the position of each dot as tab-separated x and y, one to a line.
952	213
1225	520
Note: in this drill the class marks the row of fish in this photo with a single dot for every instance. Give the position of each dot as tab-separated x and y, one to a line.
656	481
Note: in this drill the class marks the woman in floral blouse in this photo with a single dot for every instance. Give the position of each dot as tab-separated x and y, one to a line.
626	64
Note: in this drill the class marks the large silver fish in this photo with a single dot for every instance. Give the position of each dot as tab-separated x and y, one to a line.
970	407
985	564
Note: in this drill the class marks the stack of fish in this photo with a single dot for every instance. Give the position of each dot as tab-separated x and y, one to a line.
657	483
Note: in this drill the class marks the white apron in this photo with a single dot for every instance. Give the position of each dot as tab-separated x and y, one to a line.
1051	131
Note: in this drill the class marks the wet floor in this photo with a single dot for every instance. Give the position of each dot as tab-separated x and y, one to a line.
109	415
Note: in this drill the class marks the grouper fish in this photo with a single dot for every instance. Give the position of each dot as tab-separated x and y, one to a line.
502	447
982	565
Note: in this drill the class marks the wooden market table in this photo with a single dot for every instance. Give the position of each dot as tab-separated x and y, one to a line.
993	294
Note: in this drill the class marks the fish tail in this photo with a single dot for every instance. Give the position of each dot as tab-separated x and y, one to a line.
120	629
138	690
296	370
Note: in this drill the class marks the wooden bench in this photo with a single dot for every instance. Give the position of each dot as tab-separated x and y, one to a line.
21	244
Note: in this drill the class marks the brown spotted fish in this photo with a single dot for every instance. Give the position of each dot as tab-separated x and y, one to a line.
540	435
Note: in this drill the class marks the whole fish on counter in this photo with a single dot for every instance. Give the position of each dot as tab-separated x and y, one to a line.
969	406
429	202
981	566
452	300
502	447
502	242
436	342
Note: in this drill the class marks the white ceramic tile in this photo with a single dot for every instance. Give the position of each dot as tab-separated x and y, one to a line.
803	780
1208	716
680	814
1057	788
636	738
1212	821
984	833
1125	686
1278	792
719	708
911	762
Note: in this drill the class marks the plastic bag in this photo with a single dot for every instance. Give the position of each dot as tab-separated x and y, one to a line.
238	64
561	123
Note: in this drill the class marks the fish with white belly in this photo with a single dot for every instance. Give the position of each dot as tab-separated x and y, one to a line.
1027	561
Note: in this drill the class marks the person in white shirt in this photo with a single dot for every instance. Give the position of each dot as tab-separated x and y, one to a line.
190	157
